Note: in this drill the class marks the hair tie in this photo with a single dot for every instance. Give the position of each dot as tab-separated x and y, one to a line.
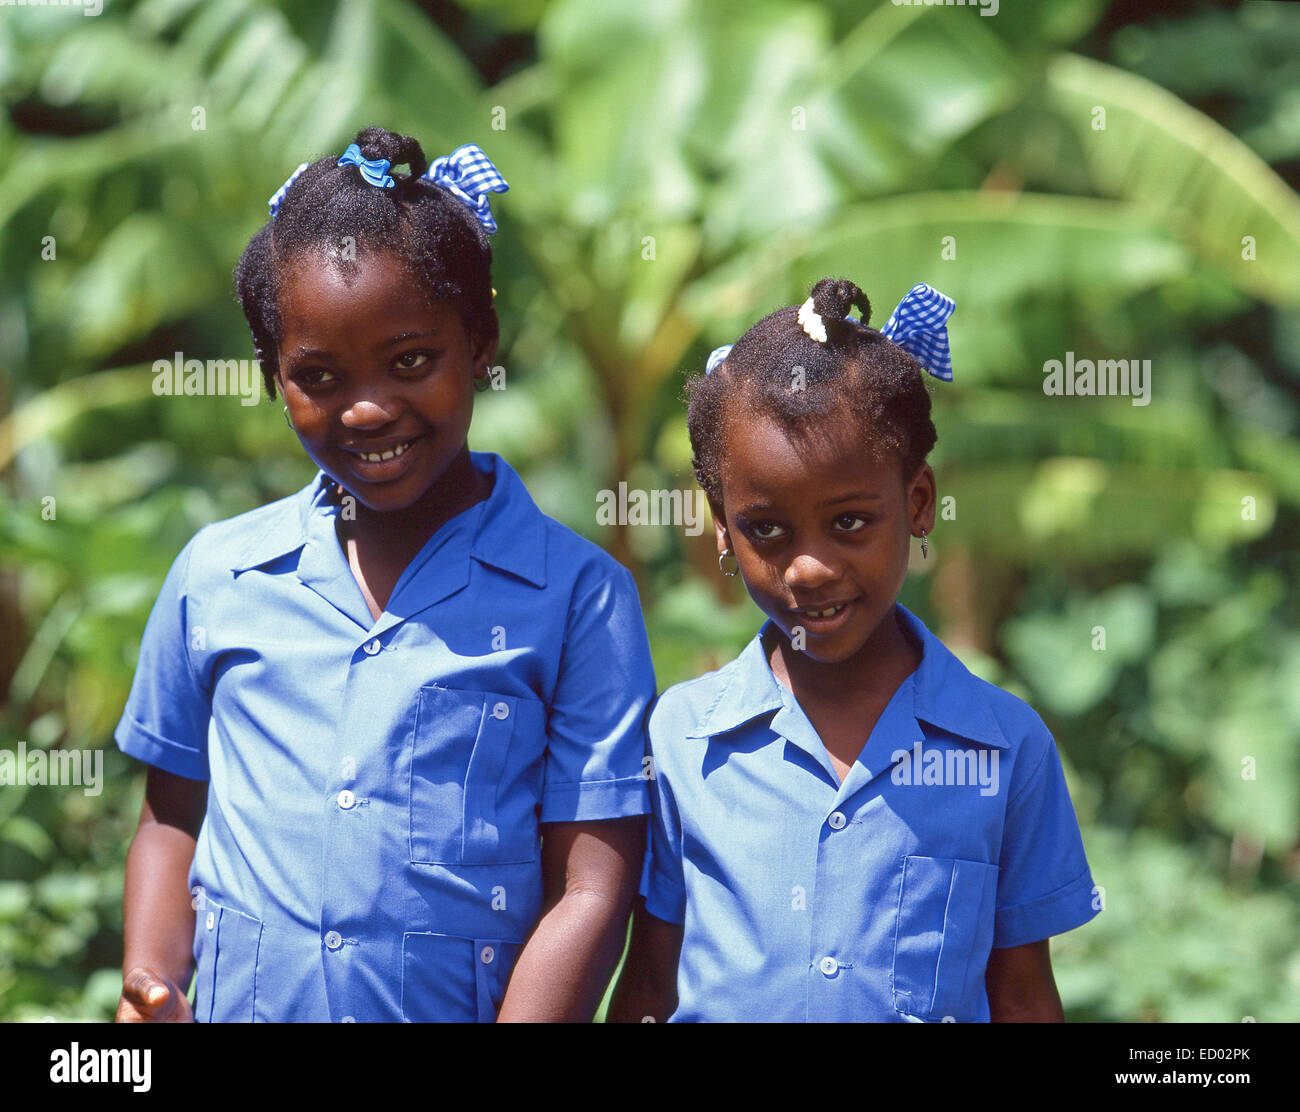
277	198
717	356
811	322
374	170
919	326
468	173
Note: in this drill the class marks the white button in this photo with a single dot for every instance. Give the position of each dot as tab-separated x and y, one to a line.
487	954
212	920
372	647
333	940
349	1019
828	966
837	820
501	711
346	799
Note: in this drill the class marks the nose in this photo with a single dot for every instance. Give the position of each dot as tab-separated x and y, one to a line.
370	412
809	571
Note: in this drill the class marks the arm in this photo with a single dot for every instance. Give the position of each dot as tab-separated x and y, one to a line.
589	873
1021	987
648	986
158	918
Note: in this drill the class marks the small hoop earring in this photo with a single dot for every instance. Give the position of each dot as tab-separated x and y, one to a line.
287	419
484	381
728	555
925	546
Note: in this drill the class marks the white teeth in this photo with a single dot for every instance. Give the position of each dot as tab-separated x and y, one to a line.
379	457
830	612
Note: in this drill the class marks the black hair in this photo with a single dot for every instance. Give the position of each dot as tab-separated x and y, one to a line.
427	228
780	371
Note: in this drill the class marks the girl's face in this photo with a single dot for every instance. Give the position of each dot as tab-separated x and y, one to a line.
821	530
379	384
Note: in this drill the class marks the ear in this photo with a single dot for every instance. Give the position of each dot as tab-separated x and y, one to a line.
485	353
922	497
720	526
484	348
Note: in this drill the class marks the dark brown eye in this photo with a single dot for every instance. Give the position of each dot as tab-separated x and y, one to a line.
409	360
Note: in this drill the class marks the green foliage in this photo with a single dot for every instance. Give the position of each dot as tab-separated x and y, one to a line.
679	168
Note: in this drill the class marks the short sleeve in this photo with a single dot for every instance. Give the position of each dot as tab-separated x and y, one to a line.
165	722
1044	884
662	882
596	764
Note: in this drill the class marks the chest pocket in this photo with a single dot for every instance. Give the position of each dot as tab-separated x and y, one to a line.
476	777
943	939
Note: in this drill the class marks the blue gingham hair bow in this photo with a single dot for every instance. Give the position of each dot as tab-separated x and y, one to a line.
374	170
277	198
919	326
468	173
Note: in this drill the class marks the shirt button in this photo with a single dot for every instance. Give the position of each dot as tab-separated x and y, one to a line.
487	954
346	800
372	647
837	820
333	939
501	711
828	966
211	920
349	1019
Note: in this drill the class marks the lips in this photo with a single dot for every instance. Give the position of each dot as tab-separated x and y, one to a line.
824	618
382	461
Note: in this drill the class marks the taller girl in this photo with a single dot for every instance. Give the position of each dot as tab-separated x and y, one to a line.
394	721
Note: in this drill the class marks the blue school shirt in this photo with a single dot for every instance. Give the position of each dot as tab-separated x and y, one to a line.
878	899
371	847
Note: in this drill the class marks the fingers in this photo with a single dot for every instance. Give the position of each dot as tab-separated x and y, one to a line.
146	997
143	987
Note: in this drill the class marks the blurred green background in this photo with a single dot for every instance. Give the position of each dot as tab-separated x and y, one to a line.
678	169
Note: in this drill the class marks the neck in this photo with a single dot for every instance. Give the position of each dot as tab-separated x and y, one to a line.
456	490
885	658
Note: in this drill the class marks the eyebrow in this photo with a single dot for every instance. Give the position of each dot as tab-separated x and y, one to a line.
402	337
301	352
856	496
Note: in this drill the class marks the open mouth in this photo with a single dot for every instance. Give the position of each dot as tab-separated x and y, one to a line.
829	612
383	464
387	454
823	619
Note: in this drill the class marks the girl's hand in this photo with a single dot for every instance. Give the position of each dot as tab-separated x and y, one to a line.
149	997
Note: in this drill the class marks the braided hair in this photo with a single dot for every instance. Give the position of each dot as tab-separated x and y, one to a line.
436	237
778	371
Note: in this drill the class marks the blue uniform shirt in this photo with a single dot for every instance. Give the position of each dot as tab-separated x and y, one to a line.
878	899
371	849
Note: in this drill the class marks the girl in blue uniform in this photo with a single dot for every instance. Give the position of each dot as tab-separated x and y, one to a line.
848	825
394	722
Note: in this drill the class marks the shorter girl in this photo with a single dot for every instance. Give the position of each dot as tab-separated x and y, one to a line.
848	824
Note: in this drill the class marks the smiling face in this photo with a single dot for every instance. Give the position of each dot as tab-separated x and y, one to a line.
821	530
379	383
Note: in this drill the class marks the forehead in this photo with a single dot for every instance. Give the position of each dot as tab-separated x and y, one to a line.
764	462
374	294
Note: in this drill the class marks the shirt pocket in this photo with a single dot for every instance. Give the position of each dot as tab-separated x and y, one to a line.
226	947
449	979
476	777
943	937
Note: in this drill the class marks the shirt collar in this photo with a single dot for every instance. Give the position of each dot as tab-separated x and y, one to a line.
510	533
945	693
